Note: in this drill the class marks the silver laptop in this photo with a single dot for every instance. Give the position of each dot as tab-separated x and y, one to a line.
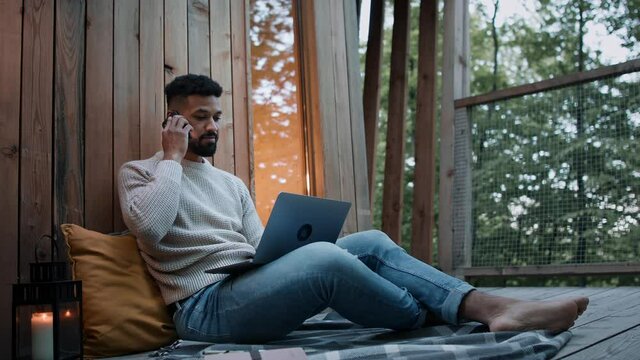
295	221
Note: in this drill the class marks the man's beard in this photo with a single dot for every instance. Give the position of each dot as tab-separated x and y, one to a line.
196	147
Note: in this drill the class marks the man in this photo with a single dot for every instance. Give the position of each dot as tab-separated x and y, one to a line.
189	217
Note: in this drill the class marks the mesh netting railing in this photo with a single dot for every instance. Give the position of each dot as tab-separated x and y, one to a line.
555	177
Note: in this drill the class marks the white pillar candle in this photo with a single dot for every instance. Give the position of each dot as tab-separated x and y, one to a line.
42	336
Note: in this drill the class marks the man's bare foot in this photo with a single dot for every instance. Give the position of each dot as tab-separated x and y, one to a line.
555	316
506	314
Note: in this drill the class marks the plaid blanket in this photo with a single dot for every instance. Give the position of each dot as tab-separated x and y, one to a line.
328	336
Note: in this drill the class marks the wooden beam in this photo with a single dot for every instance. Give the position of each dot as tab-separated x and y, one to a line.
371	90
361	183
392	200
550	84
151	77
220	25
69	121
455	84
10	59
241	74
424	173
98	142
126	88
539	270
36	133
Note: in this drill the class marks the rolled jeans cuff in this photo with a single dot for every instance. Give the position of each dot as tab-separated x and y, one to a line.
451	306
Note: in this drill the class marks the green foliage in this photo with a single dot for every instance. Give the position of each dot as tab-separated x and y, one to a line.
555	175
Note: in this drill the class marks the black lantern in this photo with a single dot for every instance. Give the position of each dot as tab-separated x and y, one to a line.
47	314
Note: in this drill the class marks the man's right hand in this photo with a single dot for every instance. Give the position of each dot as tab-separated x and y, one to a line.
175	139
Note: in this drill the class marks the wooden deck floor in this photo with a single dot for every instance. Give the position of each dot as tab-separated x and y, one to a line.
609	329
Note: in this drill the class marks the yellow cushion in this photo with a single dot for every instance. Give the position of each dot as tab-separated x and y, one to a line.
123	311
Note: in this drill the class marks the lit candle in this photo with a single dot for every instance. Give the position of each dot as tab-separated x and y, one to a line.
42	336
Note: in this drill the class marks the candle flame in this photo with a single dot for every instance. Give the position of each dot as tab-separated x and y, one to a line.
42	315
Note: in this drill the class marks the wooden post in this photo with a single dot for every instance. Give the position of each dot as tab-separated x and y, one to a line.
98	144
392	201
424	178
10	40
454	86
371	91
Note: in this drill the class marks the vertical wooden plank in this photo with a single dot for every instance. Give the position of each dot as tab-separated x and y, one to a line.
361	182
198	28
311	96
10	40
325	97
36	130
98	145
151	77
343	123
68	169
126	87
424	178
241	78
392	200
454	79
371	91
220	25
175	39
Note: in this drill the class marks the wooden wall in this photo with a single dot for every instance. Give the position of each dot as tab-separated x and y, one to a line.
81	92
333	101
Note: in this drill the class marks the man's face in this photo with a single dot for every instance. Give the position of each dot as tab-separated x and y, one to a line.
203	113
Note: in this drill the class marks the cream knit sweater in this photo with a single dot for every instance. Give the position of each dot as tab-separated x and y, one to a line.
187	218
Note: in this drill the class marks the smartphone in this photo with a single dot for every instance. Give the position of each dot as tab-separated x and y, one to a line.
171	113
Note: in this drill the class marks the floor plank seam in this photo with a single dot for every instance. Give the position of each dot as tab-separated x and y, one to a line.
597	342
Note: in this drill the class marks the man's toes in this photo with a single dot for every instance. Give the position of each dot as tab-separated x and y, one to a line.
582	304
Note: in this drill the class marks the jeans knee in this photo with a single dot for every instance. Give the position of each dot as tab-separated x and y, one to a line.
366	241
379	236
324	256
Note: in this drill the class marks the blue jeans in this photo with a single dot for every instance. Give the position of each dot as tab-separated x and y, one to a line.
365	277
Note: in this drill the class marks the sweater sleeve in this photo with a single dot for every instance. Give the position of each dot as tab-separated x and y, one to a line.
149	198
251	223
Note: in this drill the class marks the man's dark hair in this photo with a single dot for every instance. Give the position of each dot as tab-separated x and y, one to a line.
192	84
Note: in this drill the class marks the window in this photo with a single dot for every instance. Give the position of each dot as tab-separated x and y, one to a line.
280	150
